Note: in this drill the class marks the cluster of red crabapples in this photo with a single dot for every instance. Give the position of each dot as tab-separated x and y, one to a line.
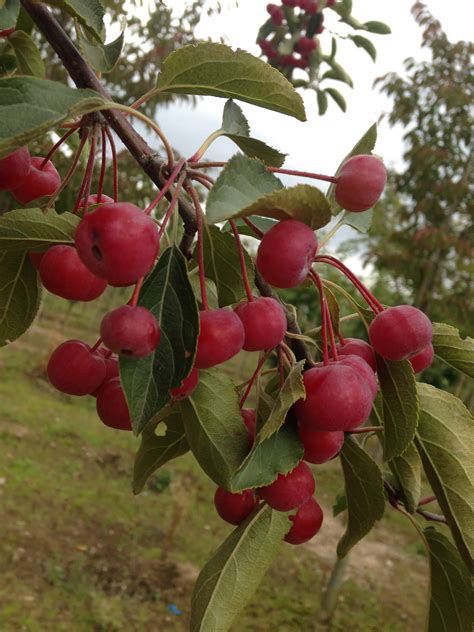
117	244
310	18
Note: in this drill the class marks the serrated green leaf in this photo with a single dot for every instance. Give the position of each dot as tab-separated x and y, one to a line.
337	97
234	121
255	148
322	102
291	391
102	57
33	230
366	44
89	13
360	221
214	427
231	577
29	107
364	145
377	27
147	381
445	441
364	491
7	64
451	595
27	54
9	10
216	70
20	295
242	181
222	265
400	405
407	470
456	351
278	454
156	450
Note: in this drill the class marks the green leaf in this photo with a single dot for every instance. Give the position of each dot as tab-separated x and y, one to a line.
338	73
366	44
445	441
9	10
214	427
322	102
20	295
377	27
29	107
32	229
147	381
340	504
242	181
216	70
89	13
456	351
7	64
157	449
364	145
407	470
27	54
360	221
222	265
451	595
333	306
231	577
337	97
364	491
278	454
102	57
234	121
291	391
400	405
263	223
211	289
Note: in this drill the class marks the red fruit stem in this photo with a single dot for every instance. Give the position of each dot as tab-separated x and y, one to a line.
324	325
55	147
331	331
87	179
251	382
373	303
201	177
366	429
200	245
288	172
72	169
113	149
136	292
427	515
96	346
103	164
166	187
342	340
426	501
255	228
173	203
243	267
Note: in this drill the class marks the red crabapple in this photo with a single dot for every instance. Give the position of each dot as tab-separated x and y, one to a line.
188	386
401	332
111	367
93	199
423	359
358	347
73	369
305	45
264	323
289	490
338	397
118	242
362	368
289	3
360	183
112	406
221	337
131	331
320	446
37	183
14	167
63	273
286	252
36	258
234	508
306	522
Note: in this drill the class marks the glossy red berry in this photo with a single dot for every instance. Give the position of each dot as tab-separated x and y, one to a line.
112	406
289	3
73	369
118	242
306	523
14	167
93	199
401	332
423	359
320	446
363	369
291	490
305	45
38	183
111	367
286	252
264	323
338	397
311	7
221	337
360	183
358	347
130	331
36	258
234	508
188	386
276	14
63	273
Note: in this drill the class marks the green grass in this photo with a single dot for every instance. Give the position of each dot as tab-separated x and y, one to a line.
79	552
